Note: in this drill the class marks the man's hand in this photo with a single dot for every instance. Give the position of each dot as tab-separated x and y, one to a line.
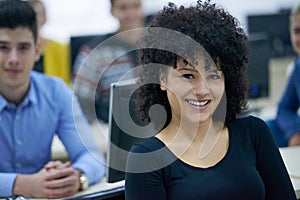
294	140
56	165
55	180
61	180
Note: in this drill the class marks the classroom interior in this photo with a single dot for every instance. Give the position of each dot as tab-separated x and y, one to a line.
271	56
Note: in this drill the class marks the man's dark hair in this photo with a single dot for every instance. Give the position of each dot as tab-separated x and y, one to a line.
112	3
18	13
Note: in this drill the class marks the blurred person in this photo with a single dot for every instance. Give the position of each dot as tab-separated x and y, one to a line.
33	108
54	59
287	115
97	77
286	126
205	149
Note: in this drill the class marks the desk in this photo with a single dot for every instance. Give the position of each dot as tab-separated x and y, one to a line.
96	188
291	158
101	186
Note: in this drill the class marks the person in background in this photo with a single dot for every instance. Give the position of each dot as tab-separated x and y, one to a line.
93	80
54	59
33	108
286	127
287	117
205	150
294	33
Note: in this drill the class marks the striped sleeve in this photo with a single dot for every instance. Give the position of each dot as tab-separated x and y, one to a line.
7	181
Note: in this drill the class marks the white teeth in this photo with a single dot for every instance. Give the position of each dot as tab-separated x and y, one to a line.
197	103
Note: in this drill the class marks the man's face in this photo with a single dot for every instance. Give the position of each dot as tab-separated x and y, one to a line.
18	54
295	32
129	14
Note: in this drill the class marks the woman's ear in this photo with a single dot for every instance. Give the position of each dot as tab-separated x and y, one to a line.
162	80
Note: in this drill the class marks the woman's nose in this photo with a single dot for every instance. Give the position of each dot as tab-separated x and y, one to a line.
200	86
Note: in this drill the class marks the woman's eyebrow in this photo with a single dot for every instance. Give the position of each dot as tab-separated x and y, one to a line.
187	69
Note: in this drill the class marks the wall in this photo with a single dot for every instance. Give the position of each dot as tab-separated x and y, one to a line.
74	17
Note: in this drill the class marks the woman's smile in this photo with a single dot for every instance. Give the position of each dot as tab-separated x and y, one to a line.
199	104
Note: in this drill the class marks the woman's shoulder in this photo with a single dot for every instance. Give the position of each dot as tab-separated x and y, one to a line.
148	145
151	154
249	128
249	120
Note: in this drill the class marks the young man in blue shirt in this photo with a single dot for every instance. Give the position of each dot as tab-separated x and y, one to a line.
33	108
287	118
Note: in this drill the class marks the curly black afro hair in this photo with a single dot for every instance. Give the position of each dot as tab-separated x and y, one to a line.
218	33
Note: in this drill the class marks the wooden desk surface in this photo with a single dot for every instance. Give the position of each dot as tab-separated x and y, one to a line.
291	158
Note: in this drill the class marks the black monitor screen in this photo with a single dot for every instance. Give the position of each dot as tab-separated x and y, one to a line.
258	67
276	27
124	128
76	42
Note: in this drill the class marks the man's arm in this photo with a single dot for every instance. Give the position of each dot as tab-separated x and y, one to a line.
75	133
287	117
85	82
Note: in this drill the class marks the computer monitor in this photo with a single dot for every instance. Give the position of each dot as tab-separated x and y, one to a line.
258	67
125	129
276	27
76	42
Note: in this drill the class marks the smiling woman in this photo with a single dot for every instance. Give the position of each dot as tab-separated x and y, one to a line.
194	64
188	90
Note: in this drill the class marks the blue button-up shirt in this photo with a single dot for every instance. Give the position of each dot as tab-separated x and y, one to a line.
287	114
26	132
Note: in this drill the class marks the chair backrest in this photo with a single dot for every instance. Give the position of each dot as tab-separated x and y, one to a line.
77	41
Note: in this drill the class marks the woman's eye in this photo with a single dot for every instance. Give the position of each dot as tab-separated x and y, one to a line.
188	76
214	77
